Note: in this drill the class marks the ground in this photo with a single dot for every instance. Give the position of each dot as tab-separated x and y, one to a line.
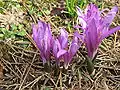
20	64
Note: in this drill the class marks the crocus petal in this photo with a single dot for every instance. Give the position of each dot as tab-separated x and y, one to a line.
111	31
79	12
56	47
61	52
80	36
81	17
74	47
43	58
77	27
50	36
63	38
91	38
110	16
92	29
67	60
82	22
41	29
43	37
37	39
47	42
89	45
92	11
34	29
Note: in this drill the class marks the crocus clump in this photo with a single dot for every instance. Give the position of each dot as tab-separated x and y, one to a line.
95	26
57	47
43	38
62	51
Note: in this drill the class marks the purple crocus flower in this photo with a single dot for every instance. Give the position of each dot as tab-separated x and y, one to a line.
74	46
61	49
43	38
95	26
59	45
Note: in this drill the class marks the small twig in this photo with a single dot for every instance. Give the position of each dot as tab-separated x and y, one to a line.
115	40
61	79
80	77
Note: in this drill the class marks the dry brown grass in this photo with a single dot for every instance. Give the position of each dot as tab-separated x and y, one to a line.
21	68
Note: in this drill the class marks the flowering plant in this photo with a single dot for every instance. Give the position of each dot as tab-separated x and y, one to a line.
43	38
95	26
46	43
61	49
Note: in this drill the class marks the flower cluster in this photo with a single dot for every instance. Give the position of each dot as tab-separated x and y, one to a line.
43	38
59	47
95	28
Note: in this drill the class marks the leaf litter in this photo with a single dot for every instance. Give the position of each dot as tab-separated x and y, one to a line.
21	68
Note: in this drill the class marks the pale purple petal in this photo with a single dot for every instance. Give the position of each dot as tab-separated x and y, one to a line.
41	29
74	47
43	38
79	12
89	45
80	36
61	52
48	41
37	39
81	18
63	38
35	30
77	27
92	29
111	31
82	22
110	16
92	11
67	60
91	38
107	20
56	47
